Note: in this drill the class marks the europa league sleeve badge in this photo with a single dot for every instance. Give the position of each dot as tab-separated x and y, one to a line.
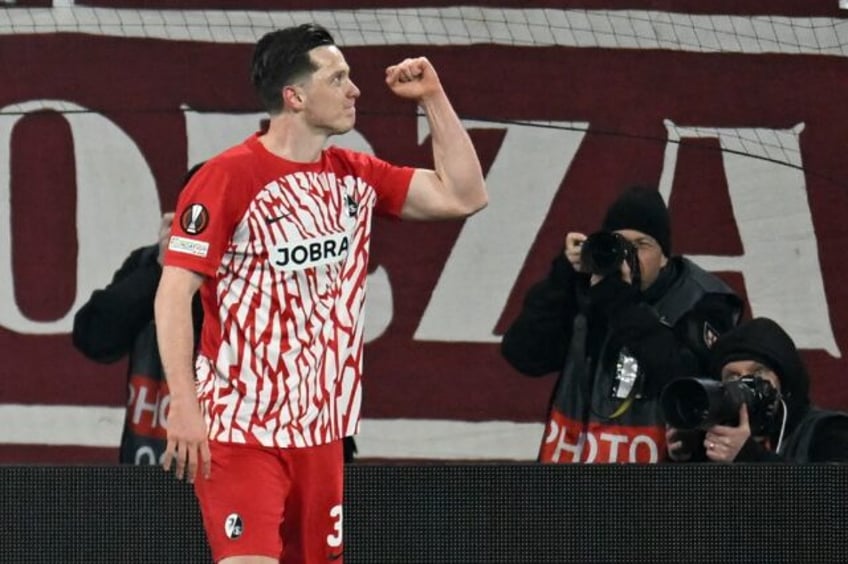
194	219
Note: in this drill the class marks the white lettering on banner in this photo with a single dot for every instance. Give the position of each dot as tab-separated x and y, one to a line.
140	405
558	435
145	456
783	277
648	442
117	206
523	181
209	133
379	308
591	442
769	203
615	441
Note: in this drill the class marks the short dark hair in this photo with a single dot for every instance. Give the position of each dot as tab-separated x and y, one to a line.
281	57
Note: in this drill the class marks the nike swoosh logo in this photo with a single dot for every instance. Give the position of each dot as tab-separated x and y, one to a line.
270	220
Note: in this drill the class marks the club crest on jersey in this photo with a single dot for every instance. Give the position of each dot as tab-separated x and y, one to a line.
710	335
233	526
300	255
352	206
194	219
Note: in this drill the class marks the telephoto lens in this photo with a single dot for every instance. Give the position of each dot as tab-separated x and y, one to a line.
698	403
602	253
695	403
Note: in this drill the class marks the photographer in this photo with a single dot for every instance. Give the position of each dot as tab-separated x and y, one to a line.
116	323
775	421
617	317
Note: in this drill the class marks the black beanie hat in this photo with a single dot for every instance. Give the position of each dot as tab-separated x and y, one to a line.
641	209
763	340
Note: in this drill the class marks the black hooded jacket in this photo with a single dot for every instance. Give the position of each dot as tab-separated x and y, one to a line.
581	332
810	434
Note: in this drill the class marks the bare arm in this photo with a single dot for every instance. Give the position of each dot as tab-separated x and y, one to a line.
175	338
456	187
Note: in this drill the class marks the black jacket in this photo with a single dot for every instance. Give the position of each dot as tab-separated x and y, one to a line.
537	342
799	431
819	436
106	327
116	322
667	330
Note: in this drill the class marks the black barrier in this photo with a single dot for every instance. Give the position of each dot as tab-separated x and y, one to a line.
459	514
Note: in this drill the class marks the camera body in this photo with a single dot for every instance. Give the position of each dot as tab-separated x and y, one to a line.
696	403
603	253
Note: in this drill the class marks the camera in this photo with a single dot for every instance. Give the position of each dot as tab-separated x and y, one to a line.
603	253
695	403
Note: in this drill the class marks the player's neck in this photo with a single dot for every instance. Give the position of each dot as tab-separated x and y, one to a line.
290	139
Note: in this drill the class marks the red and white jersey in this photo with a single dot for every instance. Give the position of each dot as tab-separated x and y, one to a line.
284	248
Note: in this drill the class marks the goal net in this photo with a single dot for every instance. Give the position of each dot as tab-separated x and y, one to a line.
823	34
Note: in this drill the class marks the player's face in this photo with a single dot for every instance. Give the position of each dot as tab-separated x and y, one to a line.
329	93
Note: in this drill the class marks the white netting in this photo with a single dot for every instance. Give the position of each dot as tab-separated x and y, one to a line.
470	25
462	25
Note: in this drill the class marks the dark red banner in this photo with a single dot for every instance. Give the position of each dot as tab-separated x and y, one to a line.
749	149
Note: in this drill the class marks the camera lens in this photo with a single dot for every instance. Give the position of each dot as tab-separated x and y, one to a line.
603	252
685	403
690	403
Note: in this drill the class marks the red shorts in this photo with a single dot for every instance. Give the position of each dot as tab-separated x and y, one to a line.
281	503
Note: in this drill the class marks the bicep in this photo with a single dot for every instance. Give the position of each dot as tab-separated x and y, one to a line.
428	198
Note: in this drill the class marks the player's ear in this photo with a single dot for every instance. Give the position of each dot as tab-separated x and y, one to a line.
293	97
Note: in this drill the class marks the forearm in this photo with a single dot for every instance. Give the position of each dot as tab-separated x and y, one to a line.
175	337
454	157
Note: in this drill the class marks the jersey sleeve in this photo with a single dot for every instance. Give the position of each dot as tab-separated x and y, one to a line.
208	210
391	182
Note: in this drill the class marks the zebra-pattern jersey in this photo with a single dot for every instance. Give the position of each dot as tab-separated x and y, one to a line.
284	248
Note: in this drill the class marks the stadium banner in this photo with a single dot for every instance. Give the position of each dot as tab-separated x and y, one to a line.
738	118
